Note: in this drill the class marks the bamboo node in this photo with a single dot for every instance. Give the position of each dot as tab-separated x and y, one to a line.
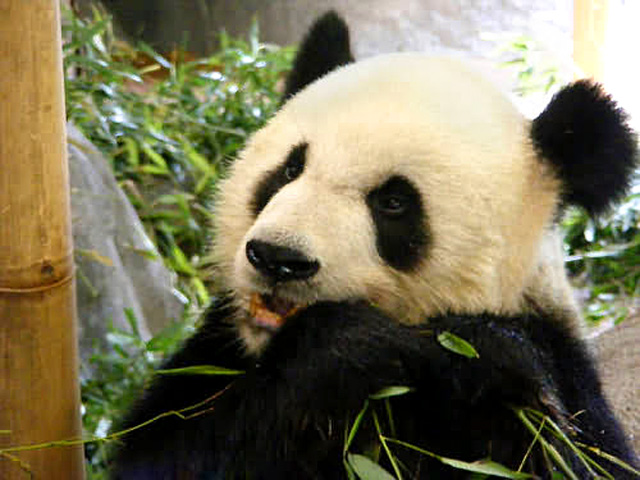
39	288
47	269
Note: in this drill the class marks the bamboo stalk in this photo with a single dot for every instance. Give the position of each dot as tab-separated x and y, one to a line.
590	19
39	399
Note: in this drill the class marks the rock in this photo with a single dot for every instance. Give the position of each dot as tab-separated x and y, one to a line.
618	350
114	270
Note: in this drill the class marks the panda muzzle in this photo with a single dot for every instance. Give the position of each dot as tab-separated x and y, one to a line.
270	312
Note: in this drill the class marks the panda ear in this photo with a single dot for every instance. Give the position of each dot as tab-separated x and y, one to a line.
584	134
324	48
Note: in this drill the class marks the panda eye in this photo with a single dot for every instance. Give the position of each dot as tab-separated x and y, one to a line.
293	170
399	221
273	180
392	205
295	163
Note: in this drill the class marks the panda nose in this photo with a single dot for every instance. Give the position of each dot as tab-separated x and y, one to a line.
280	263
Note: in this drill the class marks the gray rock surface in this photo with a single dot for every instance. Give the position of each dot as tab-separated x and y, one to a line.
112	272
618	350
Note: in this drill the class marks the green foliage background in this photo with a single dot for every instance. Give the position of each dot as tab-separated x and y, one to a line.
169	128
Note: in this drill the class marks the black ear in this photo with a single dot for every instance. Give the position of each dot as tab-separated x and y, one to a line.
586	136
324	48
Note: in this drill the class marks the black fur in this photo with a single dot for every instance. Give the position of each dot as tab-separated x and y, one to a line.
286	417
586	137
324	48
399	220
274	180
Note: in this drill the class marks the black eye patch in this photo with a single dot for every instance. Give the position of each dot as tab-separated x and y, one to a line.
399	219
277	178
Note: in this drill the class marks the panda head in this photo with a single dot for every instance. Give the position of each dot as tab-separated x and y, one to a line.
408	181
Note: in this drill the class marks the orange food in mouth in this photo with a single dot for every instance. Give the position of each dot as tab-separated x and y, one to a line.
270	312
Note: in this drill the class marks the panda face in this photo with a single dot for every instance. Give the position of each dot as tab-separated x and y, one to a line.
405	180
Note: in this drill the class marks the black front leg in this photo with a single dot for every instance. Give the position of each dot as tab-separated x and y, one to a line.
287	416
319	369
284	418
293	409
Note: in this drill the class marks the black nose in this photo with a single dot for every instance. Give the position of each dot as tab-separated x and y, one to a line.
280	263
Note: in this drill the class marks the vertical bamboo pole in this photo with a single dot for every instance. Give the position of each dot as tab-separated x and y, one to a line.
39	400
590	19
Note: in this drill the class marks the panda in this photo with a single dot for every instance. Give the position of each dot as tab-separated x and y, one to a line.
392	203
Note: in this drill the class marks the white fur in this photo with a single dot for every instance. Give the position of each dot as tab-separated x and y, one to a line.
488	199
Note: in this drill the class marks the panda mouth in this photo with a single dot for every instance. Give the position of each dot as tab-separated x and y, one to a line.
270	312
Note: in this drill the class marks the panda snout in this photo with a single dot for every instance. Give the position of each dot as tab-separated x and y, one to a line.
281	264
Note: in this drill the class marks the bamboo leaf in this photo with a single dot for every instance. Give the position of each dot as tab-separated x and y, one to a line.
132	321
367	469
383	442
355	426
457	345
132	151
200	289
181	262
148	254
198	160
94	256
390	392
159	59
153	170
486	467
155	157
200	370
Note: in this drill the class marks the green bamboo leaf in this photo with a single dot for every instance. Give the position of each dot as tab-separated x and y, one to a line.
390	392
94	256
481	466
611	458
146	253
163	215
367	469
171	199
153	170
200	289
203	183
132	321
129	76
486	467
198	160
83	36
154	156
356	426
181	262
200	370
549	449
132	151
351	475
159	59
457	345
